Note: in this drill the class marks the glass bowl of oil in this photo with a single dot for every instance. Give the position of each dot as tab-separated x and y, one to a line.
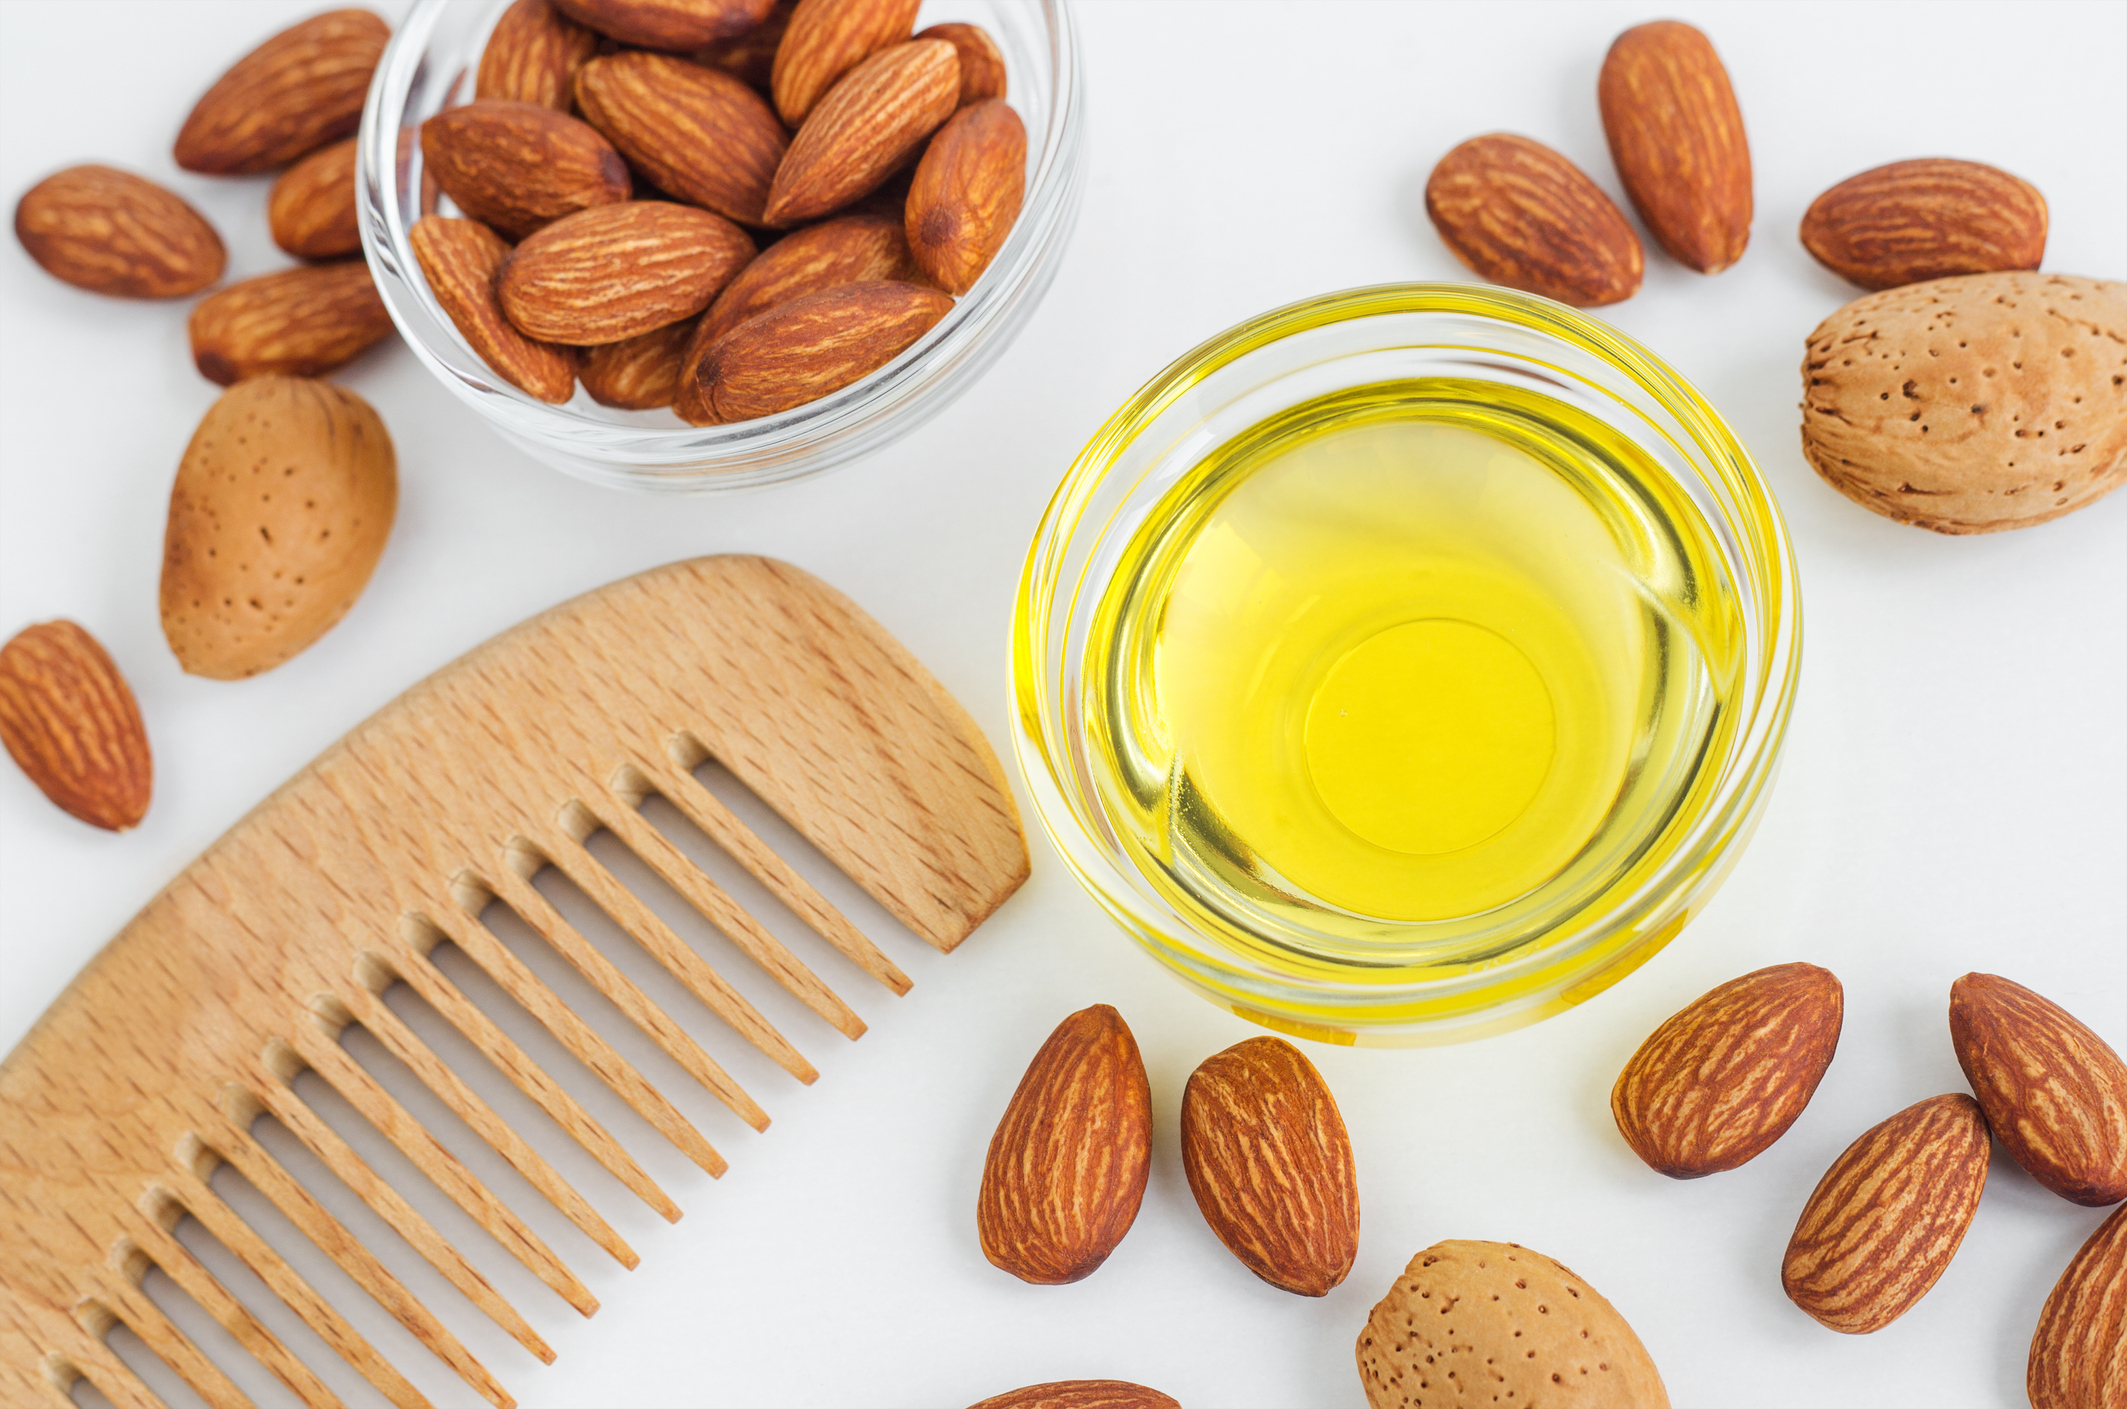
1407	664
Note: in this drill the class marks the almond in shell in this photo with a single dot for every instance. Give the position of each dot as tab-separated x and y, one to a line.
311	210
1522	215
1719	1082
1081	1394
801	350
1676	136
1930	219
299	322
2054	1092
1067	1167
2079	1352
866	126
638	373
70	722
678	25
111	232
982	74
460	259
532	56
519	166
299	90
614	271
1884	1222
825	40
281	508
966	194
693	131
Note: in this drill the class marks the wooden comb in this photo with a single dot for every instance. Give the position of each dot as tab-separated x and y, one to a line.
148	1071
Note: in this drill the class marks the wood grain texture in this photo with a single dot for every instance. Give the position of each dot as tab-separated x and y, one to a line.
2079	1352
2055	1093
146	1073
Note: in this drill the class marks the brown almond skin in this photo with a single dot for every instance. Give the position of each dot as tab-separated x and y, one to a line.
1271	1165
849	249
696	132
1522	215
2079	1352
532	56
460	259
862	131
70	722
1887	1217
750	58
311	210
293	94
825	40
1676	137
300	322
678	25
518	167
801	350
1719	1082
982	74
614	271
1081	1394
638	373
2055	1093
1929	219
114	233
1067	1167
280	510
967	193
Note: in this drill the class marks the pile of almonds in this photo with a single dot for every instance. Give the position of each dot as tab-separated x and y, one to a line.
730	216
1719	1082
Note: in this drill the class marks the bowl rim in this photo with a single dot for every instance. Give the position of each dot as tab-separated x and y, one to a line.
1635	925
798	442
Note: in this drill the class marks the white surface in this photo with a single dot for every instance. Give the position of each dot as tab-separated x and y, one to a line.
1954	797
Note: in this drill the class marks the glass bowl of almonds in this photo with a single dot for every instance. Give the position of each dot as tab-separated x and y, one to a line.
723	245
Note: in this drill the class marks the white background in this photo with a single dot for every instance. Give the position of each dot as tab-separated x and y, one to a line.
1954	794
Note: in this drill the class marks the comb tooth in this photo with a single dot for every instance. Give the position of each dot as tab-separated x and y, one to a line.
510	974
468	1107
717	822
396	1124
716	906
178	1263
679	959
161	1335
325	1143
598	971
287	1284
332	1238
102	1366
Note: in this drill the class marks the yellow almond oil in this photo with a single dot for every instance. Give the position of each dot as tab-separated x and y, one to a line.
1403	663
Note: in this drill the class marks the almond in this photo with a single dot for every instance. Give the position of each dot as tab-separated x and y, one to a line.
667	24
800	351
532	56
750	58
1676	136
638	373
1522	215
1067	1167
862	131
1888	1215
460	259
1929	219
299	90
828	38
967	193
981	61
2055	1094
2079	1352
1271	1165
70	722
518	166
311	211
280	511
300	322
1717	1084
700	134
1081	1394
617	270
112	232
848	250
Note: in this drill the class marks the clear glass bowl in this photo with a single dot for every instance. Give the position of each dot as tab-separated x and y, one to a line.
429	65
1426	983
